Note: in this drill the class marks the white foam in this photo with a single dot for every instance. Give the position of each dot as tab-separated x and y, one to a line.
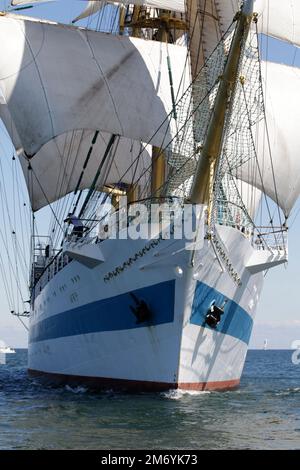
76	390
179	394
288	391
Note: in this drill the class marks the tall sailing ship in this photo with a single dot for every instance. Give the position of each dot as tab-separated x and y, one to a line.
166	103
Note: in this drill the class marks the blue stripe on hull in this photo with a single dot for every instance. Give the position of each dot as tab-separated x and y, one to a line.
235	321
113	314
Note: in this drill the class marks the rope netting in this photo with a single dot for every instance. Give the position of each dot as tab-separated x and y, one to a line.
193	113
236	197
246	110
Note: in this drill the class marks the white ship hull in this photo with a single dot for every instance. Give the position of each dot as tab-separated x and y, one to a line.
83	331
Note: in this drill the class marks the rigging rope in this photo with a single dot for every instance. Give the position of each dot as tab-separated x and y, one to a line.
95	180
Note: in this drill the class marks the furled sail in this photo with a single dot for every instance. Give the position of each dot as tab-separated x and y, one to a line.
118	85
173	5
279	170
94	6
206	27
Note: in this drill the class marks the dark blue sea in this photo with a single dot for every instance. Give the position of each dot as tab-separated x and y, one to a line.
263	414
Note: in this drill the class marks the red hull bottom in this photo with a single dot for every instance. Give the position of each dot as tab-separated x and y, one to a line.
102	383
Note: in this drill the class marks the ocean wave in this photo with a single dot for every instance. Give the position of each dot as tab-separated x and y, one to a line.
179	394
76	390
288	391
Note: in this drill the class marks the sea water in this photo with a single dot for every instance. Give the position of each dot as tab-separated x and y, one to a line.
264	413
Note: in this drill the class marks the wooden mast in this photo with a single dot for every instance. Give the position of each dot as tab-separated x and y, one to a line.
133	190
122	18
159	163
207	163
135	20
164	22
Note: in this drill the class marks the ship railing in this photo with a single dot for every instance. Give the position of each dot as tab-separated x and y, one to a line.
274	239
271	238
73	240
233	215
54	266
115	222
58	262
49	267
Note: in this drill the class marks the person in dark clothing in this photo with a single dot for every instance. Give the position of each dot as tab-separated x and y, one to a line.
47	251
77	224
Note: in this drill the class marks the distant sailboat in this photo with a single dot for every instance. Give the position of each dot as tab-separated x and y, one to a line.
7	350
265	344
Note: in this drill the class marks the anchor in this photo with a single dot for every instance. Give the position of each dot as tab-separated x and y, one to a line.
141	310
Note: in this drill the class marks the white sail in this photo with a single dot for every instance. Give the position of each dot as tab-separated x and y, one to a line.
118	85
277	18
282	125
91	8
250	196
173	5
27	2
280	19
60	165
279	173
94	6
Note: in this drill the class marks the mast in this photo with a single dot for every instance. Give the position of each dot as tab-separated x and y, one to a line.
207	163
158	170
135	18
164	22
122	18
133	189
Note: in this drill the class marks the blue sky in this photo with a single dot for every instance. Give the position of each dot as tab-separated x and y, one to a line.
278	316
